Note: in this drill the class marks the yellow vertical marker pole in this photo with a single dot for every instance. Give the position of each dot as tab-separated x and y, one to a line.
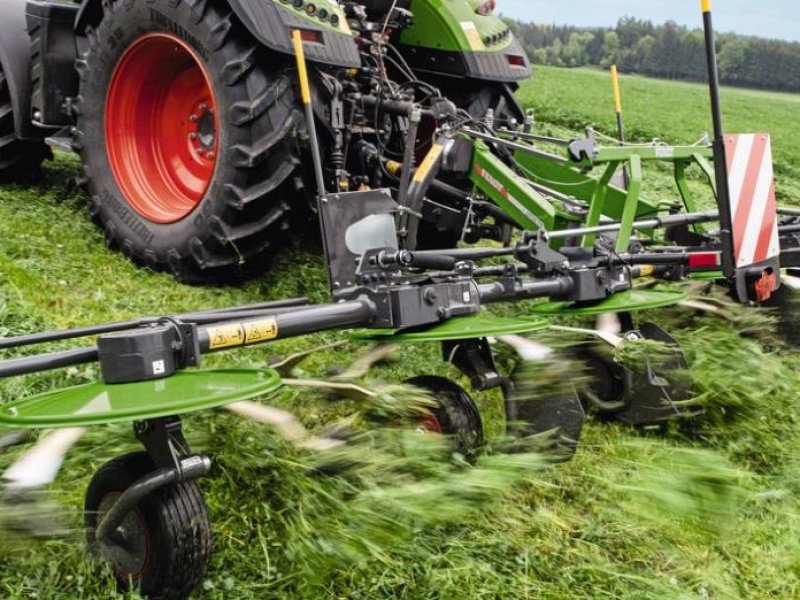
620	121
720	163
305	95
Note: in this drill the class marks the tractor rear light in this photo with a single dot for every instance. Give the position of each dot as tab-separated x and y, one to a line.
515	60
312	36
486	8
704	260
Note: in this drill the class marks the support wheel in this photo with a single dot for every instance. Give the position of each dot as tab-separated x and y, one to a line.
163	546
456	413
189	133
20	160
649	396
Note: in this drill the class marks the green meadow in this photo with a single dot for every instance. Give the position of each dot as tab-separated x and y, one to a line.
705	508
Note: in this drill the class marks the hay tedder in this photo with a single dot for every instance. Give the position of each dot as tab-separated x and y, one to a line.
209	130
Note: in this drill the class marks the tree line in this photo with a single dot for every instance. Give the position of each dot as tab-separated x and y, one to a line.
668	51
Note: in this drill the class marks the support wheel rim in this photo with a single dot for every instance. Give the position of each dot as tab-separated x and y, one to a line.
456	413
132	549
161	127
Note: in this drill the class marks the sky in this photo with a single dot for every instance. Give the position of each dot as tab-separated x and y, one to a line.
764	18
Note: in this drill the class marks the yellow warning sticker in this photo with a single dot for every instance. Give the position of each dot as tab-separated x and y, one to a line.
473	35
261	331
428	163
226	336
646	270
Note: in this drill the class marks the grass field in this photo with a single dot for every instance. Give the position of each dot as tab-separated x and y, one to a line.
707	509
673	111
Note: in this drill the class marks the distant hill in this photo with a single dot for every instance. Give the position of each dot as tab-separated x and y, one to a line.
668	51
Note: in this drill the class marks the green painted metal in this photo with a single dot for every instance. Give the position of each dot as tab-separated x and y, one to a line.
707	275
683	185
630	301
566	178
598	202
631	204
605	200
331	6
466	328
527	207
453	25
649	153
98	403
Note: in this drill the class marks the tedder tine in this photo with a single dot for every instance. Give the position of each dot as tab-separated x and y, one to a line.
15	438
285	423
40	465
361	366
286	365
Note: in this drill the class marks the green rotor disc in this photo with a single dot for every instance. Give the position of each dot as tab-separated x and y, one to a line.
630	301
99	403
465	328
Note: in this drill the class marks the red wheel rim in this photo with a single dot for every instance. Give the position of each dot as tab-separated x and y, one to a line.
161	128
430	424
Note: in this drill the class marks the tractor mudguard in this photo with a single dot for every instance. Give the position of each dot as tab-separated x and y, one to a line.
328	36
15	48
451	38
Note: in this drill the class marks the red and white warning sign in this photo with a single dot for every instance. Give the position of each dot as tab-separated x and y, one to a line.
751	183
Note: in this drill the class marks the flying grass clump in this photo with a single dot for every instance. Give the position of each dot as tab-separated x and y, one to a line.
694	488
367	498
397	485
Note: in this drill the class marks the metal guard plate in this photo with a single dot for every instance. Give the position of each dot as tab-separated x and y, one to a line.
465	328
630	301
98	403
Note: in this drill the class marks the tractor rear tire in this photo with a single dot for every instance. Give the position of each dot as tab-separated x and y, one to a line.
20	160
188	128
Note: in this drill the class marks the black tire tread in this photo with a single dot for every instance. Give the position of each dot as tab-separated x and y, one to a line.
178	510
19	159
456	411
234	241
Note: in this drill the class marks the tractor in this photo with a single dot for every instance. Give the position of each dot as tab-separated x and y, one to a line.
211	131
187	119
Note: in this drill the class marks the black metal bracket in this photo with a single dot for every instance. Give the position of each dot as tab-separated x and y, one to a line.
163	440
535	252
475	359
167	447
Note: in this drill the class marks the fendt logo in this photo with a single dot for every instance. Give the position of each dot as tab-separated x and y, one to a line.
490	179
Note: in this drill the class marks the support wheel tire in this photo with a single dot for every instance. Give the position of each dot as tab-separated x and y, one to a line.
455	414
188	129
163	545
20	160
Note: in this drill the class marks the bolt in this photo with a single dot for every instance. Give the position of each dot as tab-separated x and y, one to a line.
430	296
194	118
209	155
203	107
193	136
